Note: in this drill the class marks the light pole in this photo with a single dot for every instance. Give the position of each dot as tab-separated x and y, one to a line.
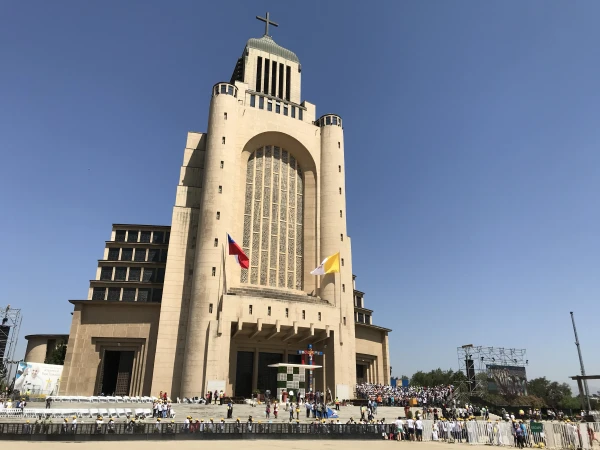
585	383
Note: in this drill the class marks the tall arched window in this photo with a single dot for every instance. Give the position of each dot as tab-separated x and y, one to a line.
273	211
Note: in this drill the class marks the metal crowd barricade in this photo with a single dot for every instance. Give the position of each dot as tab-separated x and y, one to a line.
554	436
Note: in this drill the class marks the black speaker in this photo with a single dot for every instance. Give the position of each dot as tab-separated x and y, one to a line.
470	372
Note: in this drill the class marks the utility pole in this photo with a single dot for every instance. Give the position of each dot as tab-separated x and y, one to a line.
585	383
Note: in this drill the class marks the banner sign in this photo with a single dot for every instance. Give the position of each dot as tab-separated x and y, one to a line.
507	380
38	378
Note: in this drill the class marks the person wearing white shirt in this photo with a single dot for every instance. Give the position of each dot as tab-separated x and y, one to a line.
419	430
399	428
411	429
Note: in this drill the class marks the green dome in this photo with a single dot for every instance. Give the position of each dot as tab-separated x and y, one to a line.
267	44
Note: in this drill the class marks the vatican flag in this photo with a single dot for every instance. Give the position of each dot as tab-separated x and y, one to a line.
331	264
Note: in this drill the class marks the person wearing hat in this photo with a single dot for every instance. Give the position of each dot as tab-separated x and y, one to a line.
201	428
65	426
27	428
157	425
99	423
222	426
171	427
186	424
74	425
211	426
230	409
111	426
238	426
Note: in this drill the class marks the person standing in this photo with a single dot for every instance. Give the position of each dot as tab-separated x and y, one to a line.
419	430
411	428
229	409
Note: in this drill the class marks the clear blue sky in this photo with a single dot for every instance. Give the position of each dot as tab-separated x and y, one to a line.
472	154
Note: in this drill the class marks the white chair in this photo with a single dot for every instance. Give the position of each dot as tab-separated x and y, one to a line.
147	412
128	412
126	399
172	413
112	412
120	412
103	412
119	399
94	412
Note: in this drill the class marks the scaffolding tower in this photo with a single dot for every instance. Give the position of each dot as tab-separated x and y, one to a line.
473	361
10	325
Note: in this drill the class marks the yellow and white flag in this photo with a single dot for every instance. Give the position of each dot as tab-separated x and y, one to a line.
331	264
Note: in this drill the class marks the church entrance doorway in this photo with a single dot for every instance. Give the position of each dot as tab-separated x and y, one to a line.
361	374
294	359
243	374
116	373
267	376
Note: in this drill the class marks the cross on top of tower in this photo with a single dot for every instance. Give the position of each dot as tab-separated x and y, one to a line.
267	22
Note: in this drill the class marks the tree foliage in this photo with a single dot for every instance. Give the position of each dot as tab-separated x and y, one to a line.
437	377
554	394
57	356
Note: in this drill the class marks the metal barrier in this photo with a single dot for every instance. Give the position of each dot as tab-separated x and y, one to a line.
549	435
136	430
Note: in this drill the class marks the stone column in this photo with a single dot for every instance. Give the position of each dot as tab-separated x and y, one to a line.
255	370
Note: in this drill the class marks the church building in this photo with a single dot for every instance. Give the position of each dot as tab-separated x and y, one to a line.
170	309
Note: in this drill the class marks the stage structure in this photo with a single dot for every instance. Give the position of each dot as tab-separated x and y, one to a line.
9	333
496	370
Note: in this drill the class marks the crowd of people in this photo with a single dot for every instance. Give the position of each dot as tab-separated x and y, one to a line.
387	395
9	404
161	407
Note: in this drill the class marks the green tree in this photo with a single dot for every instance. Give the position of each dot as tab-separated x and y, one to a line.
57	356
554	394
436	377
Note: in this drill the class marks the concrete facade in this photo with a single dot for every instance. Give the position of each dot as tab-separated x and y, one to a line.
270	174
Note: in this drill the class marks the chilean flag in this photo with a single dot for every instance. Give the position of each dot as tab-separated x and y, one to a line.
236	250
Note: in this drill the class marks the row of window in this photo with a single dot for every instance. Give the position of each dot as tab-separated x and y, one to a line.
116	294
280	108
155	237
358	301
225	88
138	254
144	274
287	312
329	120
270	73
363	318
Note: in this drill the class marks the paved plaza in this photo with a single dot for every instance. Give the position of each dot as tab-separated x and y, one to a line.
217	411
